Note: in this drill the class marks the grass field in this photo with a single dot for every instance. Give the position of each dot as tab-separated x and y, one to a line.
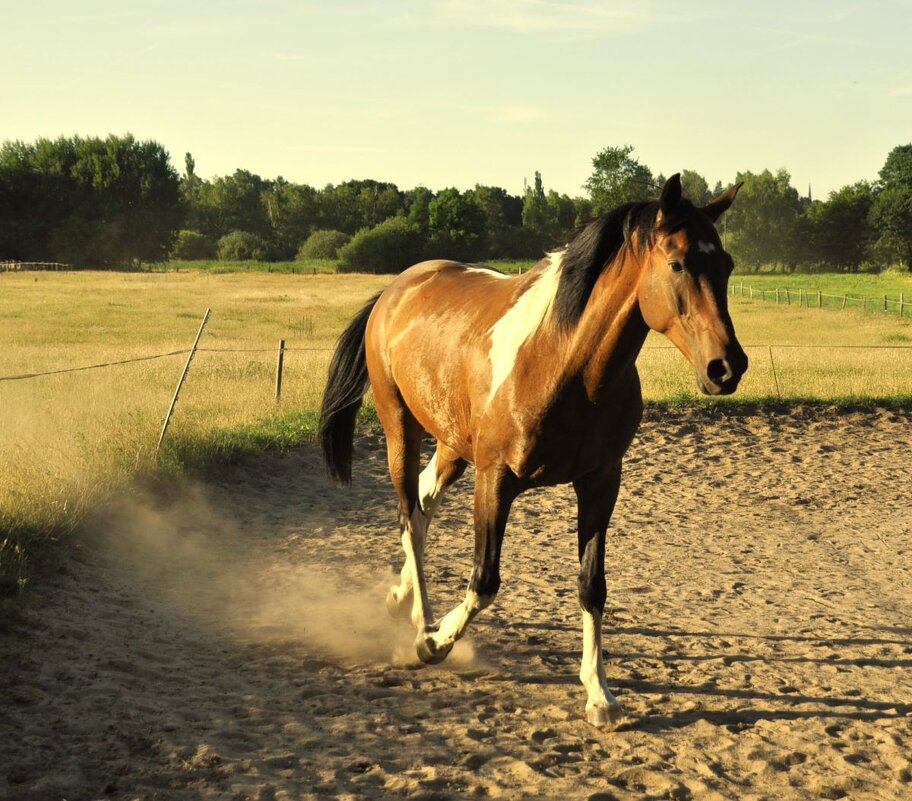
69	441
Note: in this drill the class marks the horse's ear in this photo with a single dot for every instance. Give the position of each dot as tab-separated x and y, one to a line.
718	205
671	194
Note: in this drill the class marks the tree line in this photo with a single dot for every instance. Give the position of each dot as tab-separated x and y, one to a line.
119	201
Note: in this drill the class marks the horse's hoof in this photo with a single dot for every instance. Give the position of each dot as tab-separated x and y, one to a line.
604	715
429	652
395	608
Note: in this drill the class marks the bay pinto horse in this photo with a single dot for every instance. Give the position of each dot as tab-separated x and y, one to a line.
532	379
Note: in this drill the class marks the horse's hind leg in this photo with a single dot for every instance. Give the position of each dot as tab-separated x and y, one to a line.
403	444
596	496
494	494
443	470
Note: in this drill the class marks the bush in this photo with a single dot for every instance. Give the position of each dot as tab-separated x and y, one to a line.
193	246
386	248
322	245
242	246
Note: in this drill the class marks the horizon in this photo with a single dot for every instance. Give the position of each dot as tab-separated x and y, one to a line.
458	93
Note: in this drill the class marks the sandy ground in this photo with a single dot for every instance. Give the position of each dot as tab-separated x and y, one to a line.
230	642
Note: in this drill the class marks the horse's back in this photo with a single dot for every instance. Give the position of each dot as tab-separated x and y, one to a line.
428	341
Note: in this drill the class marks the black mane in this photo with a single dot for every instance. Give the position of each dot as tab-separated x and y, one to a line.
596	244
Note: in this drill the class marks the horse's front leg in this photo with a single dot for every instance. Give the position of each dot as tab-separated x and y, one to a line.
596	495
444	469
494	494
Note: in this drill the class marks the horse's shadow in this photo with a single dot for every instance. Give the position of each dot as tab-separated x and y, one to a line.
776	706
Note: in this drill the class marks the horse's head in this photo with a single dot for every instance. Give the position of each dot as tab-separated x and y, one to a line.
682	291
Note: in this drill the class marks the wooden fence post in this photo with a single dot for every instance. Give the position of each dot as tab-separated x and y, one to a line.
180	381
885	302
844	299
777	296
280	361
864	305
819	299
788	296
901	300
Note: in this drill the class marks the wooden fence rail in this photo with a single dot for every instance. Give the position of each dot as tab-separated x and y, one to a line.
816	299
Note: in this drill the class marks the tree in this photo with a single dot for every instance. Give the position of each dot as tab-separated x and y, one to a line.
99	202
456	227
192	245
891	223
323	245
561	216
891	212
243	246
618	178
535	207
353	205
837	231
232	203
761	226
417	203
897	169
695	188
293	211
388	247
503	214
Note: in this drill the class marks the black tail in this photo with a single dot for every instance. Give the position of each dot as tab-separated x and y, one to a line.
345	387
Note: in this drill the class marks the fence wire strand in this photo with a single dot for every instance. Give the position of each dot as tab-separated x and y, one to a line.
92	366
23	376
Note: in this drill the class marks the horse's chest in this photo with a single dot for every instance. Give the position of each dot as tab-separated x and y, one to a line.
573	437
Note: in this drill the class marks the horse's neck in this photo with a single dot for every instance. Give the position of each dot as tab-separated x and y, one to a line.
611	331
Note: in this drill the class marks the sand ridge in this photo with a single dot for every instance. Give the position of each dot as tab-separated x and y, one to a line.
230	641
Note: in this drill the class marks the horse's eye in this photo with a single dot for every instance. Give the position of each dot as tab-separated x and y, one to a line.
676	266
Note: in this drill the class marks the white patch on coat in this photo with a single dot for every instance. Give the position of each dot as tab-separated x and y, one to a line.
489	271
456	621
413	541
520	321
706	247
430	488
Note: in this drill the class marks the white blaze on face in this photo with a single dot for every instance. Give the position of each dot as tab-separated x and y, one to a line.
706	247
520	321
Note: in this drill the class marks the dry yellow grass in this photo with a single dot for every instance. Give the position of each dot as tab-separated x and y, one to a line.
68	440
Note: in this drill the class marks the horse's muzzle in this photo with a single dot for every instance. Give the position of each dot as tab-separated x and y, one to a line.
721	376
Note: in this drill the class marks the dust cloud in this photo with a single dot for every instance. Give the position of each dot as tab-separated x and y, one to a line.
196	564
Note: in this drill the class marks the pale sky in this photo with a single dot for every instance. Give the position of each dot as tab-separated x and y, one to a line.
457	92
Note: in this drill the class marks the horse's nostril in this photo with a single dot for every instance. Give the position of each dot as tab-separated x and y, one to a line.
717	371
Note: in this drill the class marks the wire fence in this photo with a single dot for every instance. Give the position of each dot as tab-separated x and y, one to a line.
16	266
765	351
817	299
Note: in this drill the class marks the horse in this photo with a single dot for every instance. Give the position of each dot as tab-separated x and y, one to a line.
532	379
